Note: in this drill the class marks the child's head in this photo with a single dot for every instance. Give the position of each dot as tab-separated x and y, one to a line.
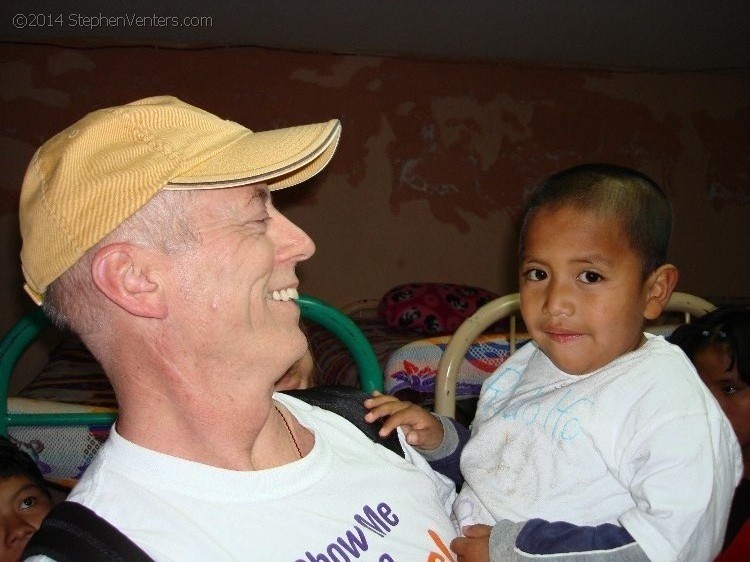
718	344
592	251
300	375
626	197
24	500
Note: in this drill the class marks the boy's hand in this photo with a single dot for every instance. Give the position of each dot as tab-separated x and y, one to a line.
420	427
474	546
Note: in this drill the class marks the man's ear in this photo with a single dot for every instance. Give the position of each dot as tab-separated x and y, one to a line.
125	274
660	285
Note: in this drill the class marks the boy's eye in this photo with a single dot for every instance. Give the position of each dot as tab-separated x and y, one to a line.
28	502
589	277
535	275
728	388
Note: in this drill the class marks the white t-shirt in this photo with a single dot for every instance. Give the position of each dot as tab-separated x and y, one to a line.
348	499
639	443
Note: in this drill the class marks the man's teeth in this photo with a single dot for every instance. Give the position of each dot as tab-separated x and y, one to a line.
285	295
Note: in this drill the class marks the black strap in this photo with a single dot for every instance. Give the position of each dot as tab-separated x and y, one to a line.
74	533
348	402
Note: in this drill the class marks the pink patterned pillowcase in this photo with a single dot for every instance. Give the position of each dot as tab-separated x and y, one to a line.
431	308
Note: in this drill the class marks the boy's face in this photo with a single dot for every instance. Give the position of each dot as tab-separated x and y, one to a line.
23	505
733	394
582	291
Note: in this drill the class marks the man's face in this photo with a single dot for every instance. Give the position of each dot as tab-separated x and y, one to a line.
23	505
582	291
233	290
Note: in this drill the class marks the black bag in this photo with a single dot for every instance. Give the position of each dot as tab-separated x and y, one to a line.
74	533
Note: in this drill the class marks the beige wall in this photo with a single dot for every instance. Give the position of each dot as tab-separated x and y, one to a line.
434	159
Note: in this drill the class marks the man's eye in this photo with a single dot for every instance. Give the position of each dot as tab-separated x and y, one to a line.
589	277
535	275
257	223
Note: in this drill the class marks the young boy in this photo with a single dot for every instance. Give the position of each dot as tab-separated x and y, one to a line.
594	441
718	344
24	500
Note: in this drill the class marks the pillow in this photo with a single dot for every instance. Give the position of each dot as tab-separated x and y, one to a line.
431	308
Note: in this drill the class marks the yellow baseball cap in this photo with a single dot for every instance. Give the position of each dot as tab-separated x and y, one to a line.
88	179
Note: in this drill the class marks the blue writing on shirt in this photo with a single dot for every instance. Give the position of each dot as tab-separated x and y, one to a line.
558	417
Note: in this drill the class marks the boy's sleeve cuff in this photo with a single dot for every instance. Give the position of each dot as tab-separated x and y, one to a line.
449	444
503	541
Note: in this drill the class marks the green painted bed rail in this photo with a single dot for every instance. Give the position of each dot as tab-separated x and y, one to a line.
26	330
370	374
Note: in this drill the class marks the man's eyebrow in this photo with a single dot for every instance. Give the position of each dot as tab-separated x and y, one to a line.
261	192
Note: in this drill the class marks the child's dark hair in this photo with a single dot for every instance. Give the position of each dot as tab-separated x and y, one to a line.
14	462
628	196
726	325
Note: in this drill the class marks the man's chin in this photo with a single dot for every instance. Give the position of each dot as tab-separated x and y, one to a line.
287	382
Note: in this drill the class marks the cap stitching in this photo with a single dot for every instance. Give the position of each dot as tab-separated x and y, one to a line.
150	139
45	202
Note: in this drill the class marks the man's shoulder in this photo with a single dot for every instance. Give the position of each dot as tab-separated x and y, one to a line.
348	403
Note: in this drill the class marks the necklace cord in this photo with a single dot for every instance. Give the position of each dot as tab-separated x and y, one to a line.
289	430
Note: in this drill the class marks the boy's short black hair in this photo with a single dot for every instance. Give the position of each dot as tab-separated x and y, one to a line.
726	325
628	196
14	462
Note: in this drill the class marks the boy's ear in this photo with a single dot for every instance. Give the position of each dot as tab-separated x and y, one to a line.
126	275
660	285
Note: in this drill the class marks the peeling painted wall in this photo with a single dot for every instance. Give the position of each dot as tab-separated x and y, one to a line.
435	158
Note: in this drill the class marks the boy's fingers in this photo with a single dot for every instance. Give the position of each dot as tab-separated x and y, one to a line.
381	410
475	531
428	438
413	438
388	411
387	407
389	425
379	399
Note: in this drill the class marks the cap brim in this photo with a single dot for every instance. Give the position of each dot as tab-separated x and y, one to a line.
280	158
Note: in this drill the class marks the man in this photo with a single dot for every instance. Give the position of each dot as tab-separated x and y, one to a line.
149	230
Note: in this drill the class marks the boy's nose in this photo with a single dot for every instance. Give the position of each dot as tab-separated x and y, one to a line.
18	531
557	300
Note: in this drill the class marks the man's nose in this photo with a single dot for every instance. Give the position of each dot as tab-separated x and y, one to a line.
291	241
